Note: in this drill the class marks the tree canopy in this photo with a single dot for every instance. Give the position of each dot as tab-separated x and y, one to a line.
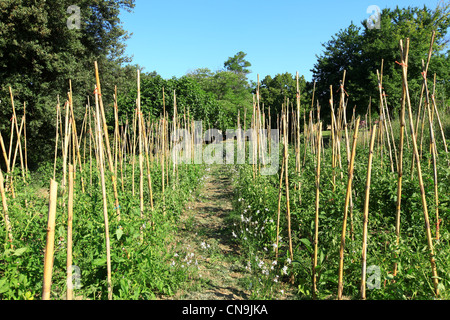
360	50
39	54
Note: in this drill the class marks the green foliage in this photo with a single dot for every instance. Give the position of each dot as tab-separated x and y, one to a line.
359	50
39	54
237	63
255	217
140	255
279	90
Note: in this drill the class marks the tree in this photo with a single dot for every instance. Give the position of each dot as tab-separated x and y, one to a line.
276	91
200	105
237	63
360	50
39	54
229	87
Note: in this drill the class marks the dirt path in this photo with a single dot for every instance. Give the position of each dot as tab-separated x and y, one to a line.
205	236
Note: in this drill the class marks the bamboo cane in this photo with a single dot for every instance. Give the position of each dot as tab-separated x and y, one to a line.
8	168
105	204
279	208
343	105
333	147
15	124
286	172
440	124
432	147
388	117
90	146
5	211
75	145
430	50
66	144
48	255
25	138
382	113
69	293
141	146
108	147
419	173
400	163
344	223
366	214
19	135
133	157
316	221
5	156
149	176
56	139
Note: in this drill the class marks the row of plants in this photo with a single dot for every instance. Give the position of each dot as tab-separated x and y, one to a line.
256	202
140	247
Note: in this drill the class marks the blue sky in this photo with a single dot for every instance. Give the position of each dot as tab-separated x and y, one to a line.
173	37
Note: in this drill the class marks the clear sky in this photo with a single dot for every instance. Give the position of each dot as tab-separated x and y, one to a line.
173	37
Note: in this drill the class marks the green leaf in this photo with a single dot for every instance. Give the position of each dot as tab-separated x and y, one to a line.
306	242
119	233
99	262
19	252
4	286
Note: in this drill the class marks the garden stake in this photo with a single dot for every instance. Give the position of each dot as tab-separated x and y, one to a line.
69	235
366	214
347	199
5	211
105	204
48	255
316	222
419	172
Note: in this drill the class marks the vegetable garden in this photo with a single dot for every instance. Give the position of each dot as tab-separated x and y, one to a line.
358	211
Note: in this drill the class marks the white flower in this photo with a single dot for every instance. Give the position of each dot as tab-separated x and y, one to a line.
234	234
274	262
275	279
282	291
288	260
257	211
284	270
203	245
265	248
249	206
175	255
173	263
275	245
260	263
